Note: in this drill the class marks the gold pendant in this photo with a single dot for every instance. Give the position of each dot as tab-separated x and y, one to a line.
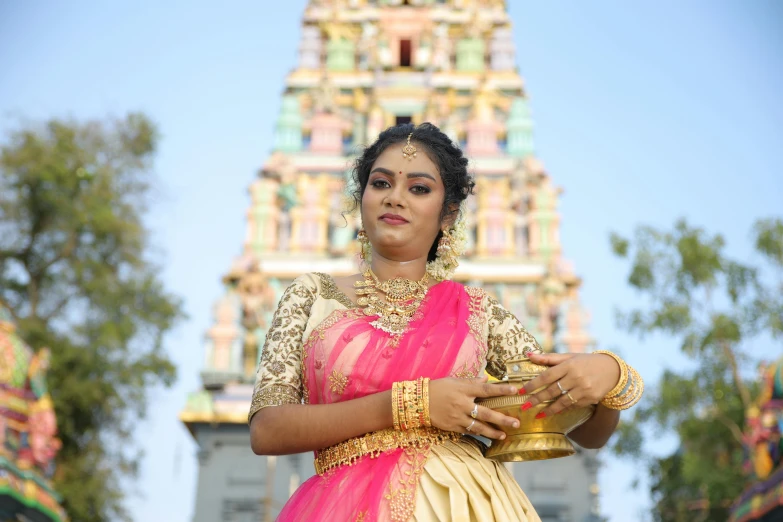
403	298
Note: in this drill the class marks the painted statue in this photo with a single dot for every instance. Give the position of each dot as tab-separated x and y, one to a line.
28	430
763	499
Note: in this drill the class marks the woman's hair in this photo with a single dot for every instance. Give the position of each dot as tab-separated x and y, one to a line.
452	166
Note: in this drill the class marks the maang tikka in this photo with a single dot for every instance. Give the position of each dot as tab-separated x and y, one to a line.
409	151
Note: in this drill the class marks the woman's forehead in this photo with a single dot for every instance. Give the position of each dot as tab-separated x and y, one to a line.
393	160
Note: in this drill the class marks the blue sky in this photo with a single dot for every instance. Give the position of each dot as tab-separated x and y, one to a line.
645	112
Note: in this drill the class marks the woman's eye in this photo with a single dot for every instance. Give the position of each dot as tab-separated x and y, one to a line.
380	183
420	189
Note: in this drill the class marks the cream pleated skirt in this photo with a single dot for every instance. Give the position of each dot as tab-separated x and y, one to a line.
458	484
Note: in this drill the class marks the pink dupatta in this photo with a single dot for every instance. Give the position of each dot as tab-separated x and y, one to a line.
346	358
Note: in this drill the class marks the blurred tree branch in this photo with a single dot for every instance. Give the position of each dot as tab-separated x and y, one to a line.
717	307
75	273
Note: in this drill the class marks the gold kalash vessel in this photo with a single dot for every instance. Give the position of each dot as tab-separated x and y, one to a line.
535	439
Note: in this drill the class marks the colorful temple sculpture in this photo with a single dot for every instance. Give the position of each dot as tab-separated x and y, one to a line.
363	66
762	501
28	429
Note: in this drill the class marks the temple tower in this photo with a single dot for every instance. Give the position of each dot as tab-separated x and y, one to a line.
364	65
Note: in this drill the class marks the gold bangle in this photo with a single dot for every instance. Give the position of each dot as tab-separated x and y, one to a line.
426	401
631	396
411	415
395	405
411	404
620	386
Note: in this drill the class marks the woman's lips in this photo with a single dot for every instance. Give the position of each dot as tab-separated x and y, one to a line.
391	220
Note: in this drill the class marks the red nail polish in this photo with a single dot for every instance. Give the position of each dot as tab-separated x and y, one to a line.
527	406
541	415
522	391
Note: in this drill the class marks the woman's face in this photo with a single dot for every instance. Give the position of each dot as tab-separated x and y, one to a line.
401	205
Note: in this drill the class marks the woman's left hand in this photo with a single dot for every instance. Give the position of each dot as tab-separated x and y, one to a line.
586	378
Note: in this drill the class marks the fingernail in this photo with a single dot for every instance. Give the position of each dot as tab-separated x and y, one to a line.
541	415
522	391
527	406
512	390
515	424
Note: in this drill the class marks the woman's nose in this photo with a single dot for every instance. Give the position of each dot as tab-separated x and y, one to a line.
396	197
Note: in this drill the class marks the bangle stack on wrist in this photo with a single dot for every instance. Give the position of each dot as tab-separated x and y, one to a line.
411	404
629	388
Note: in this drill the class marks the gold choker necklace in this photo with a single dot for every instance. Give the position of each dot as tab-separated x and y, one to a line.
403	298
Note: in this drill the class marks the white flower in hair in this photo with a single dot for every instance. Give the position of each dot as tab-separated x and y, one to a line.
443	267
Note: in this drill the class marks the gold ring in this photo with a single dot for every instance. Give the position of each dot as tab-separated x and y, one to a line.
474	413
467	430
573	401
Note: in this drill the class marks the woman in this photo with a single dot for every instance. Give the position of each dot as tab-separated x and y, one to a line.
348	362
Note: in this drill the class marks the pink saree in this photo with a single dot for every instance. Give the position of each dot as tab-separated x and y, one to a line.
346	358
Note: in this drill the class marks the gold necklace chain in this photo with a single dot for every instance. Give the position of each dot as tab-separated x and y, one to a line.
402	299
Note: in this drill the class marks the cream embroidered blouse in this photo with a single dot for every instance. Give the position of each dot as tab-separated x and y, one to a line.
311	298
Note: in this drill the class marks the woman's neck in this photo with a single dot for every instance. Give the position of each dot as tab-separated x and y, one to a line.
385	269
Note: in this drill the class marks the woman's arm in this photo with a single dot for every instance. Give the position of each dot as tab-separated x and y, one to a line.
595	433
296	428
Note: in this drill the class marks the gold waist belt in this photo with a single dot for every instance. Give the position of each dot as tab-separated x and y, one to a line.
376	442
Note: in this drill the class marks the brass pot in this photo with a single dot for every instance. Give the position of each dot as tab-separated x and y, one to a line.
535	439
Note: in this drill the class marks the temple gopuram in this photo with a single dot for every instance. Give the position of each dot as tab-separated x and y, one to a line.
28	430
363	66
762	501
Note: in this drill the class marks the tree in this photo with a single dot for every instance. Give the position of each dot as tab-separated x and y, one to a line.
717	307
76	273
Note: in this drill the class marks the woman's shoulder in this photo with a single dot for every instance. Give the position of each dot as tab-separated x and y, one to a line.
324	286
474	292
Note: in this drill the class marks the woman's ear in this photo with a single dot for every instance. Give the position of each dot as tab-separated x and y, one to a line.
451	216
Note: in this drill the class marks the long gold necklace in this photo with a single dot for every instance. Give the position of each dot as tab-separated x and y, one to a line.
402	299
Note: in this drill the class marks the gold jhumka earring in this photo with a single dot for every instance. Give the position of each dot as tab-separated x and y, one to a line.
445	250
364	246
409	151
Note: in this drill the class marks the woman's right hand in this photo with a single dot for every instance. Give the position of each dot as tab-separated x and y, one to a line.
452	400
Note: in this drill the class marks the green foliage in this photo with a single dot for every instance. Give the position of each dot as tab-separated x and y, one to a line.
74	270
717	307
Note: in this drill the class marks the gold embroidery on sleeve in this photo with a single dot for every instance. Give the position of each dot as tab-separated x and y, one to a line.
506	338
330	290
279	378
475	317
